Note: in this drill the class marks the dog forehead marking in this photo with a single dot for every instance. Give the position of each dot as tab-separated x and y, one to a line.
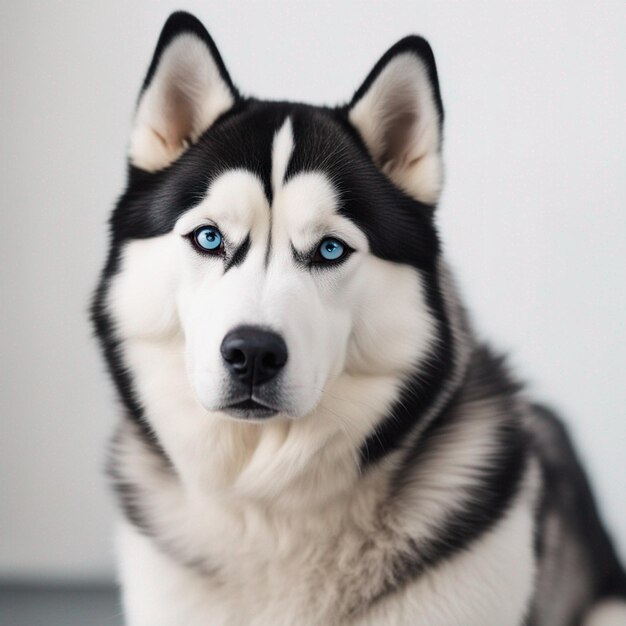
282	149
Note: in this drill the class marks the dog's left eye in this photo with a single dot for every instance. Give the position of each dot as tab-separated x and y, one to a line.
207	239
329	250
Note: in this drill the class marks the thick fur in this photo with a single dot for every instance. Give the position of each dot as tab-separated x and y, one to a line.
403	477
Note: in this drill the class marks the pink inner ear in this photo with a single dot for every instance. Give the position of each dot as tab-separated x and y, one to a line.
396	138
180	114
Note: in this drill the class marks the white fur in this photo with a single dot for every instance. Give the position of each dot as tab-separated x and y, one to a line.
186	95
270	576
468	590
398	120
281	153
607	613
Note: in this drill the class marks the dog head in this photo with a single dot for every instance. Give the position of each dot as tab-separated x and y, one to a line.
285	247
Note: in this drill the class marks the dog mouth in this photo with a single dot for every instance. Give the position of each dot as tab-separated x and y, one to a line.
249	409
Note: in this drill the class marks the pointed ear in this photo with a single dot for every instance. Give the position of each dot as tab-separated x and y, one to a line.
399	115
186	89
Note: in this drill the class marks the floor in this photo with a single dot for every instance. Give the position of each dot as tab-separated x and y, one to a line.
44	606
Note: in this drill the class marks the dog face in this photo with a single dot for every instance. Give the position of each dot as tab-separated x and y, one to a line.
283	247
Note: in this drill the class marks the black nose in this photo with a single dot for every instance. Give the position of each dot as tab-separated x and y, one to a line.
254	355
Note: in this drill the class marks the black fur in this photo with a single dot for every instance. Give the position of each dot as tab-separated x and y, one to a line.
110	345
239	255
567	496
487	381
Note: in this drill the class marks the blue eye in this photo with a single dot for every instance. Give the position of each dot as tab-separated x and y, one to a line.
207	238
331	249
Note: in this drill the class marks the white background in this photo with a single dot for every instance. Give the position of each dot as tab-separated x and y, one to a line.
532	216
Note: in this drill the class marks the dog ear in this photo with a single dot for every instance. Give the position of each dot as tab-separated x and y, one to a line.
186	89
399	115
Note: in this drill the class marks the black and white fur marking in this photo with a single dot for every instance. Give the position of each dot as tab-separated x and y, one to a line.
390	469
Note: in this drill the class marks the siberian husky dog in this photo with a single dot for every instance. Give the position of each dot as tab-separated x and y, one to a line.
310	432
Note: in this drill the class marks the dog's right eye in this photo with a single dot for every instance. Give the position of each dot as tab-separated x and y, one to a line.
208	239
